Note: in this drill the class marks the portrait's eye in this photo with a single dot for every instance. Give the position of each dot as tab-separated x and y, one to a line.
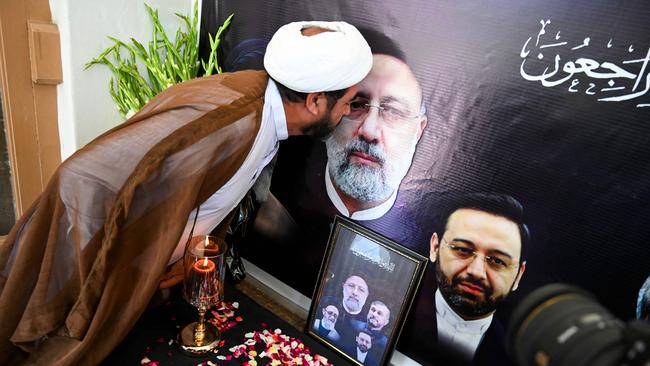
462	251
497	262
393	113
358	105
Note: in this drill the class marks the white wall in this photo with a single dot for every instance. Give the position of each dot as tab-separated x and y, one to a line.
85	108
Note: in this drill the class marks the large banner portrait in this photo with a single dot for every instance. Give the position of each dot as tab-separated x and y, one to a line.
506	141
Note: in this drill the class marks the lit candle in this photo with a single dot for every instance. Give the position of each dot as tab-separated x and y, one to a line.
204	266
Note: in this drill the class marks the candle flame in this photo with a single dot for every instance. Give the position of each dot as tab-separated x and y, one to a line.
207	242
205	262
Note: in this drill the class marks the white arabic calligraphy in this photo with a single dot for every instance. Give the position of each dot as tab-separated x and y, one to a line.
383	264
574	69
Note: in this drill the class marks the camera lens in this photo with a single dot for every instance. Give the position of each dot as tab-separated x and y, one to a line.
561	325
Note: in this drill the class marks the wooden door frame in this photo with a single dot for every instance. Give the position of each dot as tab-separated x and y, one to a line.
30	69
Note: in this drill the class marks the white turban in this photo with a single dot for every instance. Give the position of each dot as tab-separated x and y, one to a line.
326	61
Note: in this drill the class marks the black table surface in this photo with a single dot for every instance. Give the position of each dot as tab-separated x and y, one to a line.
158	327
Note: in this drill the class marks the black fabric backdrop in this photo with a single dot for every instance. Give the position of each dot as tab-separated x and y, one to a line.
578	165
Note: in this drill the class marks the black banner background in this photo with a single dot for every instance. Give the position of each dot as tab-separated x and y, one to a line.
578	165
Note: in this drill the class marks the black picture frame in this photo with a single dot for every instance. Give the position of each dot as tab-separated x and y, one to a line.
356	257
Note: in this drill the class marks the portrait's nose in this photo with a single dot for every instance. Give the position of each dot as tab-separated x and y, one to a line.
358	291
370	128
476	267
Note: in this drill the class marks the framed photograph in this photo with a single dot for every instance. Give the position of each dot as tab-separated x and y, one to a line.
365	289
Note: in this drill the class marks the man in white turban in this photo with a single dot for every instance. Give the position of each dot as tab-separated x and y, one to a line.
80	266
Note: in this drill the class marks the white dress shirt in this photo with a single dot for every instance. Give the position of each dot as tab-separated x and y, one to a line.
273	129
361	356
464	335
362	215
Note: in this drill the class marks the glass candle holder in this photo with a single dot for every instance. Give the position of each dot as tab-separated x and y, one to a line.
203	283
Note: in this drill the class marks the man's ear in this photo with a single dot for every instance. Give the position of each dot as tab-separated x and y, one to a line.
423	124
522	268
311	103
435	246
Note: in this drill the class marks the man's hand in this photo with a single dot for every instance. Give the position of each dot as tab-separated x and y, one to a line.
173	276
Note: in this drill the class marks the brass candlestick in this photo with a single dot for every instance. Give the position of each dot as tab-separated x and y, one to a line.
203	288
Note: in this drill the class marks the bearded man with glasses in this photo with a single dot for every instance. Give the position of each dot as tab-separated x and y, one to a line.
371	151
478	260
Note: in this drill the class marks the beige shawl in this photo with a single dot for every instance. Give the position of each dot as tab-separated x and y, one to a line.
80	266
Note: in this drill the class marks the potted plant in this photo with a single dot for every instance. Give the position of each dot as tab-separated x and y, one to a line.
166	61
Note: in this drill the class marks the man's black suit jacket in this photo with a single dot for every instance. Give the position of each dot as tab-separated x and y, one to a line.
351	350
491	350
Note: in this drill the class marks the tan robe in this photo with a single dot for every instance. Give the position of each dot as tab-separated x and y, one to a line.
80	266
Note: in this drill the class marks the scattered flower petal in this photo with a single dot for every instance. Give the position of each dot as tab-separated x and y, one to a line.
280	349
147	362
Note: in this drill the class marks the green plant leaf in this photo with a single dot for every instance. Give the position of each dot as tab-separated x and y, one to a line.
139	72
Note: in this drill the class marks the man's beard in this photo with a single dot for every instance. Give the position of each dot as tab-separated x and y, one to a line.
362	348
326	324
353	304
361	182
373	323
320	129
463	303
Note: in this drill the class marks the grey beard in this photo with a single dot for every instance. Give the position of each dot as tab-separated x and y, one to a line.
353	304
360	182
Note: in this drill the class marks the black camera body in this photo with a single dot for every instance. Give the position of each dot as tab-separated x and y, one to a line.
562	325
